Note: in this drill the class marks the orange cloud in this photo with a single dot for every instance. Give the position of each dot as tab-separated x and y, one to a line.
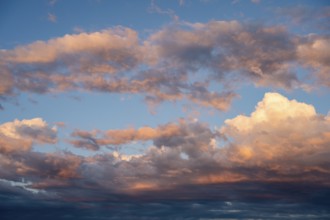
21	135
276	131
315	53
272	144
163	68
111	44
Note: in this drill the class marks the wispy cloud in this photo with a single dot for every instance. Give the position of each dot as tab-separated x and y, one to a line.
52	17
154	8
52	2
302	14
256	1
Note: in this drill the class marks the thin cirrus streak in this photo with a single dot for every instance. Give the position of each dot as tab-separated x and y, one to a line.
163	68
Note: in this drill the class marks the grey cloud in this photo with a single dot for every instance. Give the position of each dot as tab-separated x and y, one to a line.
178	62
314	53
257	53
42	135
87	142
316	17
188	164
19	135
271	144
191	137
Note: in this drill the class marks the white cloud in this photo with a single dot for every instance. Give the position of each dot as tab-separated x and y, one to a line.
278	129
20	135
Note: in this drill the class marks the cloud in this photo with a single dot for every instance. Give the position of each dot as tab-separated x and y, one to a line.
301	15
52	17
7	82
314	53
276	132
259	157
52	2
160	210
178	62
272	144
109	45
21	135
256	1
190	136
97	62
258	54
154	8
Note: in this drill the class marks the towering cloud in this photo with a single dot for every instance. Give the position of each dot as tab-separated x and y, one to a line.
281	133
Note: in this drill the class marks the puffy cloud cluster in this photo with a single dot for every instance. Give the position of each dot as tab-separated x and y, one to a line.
257	53
61	63
177	62
20	135
315	53
281	141
281	133
18	160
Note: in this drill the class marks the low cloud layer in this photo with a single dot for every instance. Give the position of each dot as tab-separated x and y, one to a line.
177	62
186	160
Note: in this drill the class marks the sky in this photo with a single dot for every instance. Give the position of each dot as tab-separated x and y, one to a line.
154	109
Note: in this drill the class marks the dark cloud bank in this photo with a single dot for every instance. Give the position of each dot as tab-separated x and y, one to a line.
244	200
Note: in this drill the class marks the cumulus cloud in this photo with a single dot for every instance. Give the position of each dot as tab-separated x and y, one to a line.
186	160
62	63
259	54
272	144
276	134
177	62
20	135
109	61
314	53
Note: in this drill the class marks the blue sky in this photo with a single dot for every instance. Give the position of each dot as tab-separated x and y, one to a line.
171	101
